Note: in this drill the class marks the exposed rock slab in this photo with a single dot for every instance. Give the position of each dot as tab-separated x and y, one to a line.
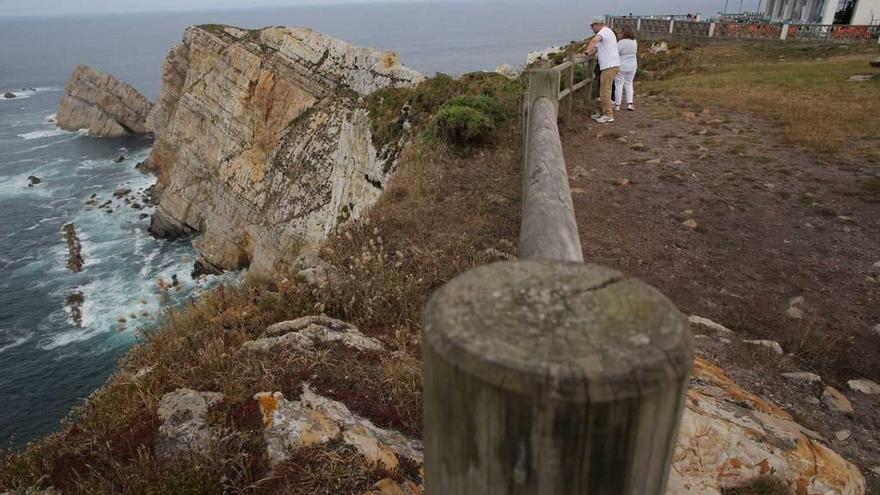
307	332
315	419
261	144
104	105
729	436
184	427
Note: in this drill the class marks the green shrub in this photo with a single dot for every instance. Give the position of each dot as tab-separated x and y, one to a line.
460	125
486	104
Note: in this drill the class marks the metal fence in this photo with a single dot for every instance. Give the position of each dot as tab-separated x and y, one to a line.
651	28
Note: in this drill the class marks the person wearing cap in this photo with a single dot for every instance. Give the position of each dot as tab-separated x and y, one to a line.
604	43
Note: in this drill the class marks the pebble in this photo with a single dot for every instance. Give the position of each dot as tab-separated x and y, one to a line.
836	401
688	115
623	182
655	161
864	386
794	313
621	139
802	376
690	223
770	344
812	400
706	322
842	435
639	147
702	132
677	162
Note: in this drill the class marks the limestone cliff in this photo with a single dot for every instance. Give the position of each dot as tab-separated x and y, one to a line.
261	143
102	104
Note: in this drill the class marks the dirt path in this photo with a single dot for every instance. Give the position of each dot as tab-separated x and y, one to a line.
734	225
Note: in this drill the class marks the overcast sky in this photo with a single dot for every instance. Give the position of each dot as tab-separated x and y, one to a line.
74	7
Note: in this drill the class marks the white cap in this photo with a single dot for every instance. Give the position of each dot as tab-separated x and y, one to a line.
597	20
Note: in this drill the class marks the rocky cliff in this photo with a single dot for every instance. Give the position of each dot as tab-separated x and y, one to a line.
102	104
261	143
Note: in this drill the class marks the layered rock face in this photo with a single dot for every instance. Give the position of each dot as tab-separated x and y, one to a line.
104	105
261	145
730	436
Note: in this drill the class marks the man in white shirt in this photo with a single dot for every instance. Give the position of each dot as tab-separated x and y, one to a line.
605	44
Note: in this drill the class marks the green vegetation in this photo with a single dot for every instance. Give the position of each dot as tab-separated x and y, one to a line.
462	125
391	108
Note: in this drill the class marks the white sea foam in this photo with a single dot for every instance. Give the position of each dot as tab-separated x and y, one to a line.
44	134
15	343
25	93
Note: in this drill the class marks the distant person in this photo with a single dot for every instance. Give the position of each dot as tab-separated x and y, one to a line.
628	48
604	43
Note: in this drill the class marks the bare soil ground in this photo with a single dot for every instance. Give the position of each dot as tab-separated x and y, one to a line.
773	222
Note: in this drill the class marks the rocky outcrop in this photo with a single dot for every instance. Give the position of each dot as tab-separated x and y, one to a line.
729	436
261	143
184	425
74	248
315	419
104	105
310	331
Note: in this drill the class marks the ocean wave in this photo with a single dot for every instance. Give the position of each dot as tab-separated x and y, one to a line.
28	136
15	343
25	93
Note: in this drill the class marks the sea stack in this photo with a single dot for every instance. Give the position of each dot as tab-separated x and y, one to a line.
262	144
104	105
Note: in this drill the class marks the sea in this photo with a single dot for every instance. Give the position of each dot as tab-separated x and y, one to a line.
52	356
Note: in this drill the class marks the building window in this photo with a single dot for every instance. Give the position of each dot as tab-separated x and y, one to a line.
845	9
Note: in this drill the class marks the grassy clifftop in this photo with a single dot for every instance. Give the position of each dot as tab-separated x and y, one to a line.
447	209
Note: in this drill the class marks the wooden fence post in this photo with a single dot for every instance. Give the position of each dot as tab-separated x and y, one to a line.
543	377
784	34
639	24
671	25
570	98
711	29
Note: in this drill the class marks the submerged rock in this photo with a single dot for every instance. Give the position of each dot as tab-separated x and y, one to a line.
119	159
74	248
104	105
33	180
9	96
262	144
73	302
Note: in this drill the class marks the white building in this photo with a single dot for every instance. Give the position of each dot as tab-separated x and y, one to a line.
857	12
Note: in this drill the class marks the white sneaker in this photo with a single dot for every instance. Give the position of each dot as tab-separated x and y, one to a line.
605	119
616	108
631	108
596	116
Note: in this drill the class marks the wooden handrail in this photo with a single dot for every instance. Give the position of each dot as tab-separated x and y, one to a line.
548	375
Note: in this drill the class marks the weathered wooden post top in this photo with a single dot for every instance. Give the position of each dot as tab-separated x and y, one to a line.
546	375
551	378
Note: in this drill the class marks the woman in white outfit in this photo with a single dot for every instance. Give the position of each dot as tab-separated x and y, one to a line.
623	81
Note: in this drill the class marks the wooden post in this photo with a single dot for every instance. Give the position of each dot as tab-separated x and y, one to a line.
544	83
671	25
639	24
711	29
551	378
784	34
570	101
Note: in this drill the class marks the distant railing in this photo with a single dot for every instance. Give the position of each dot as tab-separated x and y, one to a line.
547	375
651	28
